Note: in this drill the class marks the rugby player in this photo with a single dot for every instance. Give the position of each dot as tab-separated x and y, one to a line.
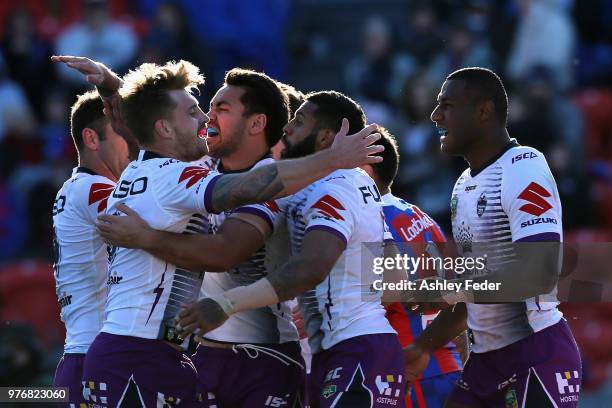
137	360
247	116
80	265
356	354
420	234
523	352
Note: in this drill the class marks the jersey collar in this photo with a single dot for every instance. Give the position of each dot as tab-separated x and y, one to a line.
512	143
220	168
82	169
147	154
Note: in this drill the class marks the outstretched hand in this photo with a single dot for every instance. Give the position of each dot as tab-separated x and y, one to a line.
95	72
355	150
129	231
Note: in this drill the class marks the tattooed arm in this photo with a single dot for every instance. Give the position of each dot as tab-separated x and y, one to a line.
286	177
320	251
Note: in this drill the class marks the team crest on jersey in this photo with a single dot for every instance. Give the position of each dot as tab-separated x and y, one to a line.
193	174
100	192
481	205
328	206
510	399
453	205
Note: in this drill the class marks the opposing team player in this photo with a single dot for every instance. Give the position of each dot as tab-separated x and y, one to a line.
523	352
136	360
419	234
357	357
255	352
80	254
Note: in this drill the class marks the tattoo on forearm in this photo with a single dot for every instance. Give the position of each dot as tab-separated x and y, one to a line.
257	186
289	281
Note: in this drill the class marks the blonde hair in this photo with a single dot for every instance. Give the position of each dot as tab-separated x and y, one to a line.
145	94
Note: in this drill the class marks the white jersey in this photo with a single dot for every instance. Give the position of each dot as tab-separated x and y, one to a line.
267	325
348	205
513	197
80	266
146	293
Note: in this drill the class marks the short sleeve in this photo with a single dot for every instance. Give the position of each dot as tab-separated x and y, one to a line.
530	198
187	187
331	207
271	211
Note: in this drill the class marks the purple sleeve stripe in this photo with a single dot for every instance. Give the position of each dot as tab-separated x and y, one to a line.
545	236
257	212
329	229
208	195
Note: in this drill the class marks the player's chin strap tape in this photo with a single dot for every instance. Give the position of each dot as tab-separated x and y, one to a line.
253	352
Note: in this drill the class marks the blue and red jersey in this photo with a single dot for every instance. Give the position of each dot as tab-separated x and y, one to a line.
408	224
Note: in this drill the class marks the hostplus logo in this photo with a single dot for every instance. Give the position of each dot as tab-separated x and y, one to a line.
568	383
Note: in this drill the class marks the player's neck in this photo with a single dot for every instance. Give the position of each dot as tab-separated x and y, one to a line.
244	158
487	148
97	166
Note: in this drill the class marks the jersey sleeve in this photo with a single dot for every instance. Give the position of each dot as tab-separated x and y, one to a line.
187	187
530	199
271	211
331	207
93	198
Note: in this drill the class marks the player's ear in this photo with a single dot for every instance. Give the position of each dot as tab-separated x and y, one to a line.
257	123
325	138
91	141
163	128
486	110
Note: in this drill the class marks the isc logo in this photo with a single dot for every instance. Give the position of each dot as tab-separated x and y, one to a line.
273	401
523	156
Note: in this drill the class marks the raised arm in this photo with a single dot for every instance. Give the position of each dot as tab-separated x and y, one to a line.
237	239
286	177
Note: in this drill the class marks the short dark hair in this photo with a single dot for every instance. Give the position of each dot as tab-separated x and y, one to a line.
87	112
485	85
386	170
145	94
262	94
333	106
296	98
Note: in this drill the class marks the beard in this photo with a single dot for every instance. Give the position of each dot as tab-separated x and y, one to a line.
300	149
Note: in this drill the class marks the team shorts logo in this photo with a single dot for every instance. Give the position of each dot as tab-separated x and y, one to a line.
510	400
385	385
193	174
100	192
481	205
536	196
329	390
328	206
563	382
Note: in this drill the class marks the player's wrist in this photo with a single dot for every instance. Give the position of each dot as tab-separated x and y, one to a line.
327	160
225	304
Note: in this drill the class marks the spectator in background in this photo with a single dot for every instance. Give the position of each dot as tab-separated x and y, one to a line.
462	50
27	55
99	38
15	110
422	35
545	36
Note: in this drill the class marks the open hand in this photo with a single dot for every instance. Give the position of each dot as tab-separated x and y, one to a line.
128	231
350	151
95	72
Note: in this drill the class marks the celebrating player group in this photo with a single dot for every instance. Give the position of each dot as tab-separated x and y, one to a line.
196	251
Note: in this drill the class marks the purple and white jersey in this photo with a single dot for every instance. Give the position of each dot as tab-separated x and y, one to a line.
512	198
268	325
80	266
146	293
347	204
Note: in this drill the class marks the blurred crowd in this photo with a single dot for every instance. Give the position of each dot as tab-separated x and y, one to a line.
555	57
